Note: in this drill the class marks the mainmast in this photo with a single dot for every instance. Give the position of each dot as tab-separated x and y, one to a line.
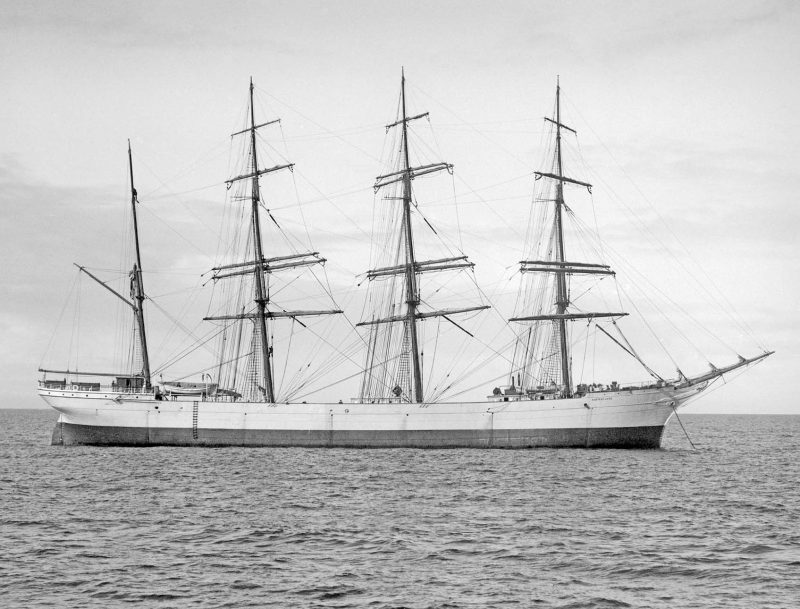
559	266
137	286
411	267
260	266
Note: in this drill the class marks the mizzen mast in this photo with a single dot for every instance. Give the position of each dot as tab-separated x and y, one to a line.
137	285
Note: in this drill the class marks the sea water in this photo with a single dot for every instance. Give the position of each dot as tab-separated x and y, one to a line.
716	526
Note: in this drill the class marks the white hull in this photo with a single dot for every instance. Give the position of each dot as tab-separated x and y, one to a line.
621	419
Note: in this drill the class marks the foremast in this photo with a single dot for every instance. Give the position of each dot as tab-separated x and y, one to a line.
411	267
559	265
561	279
261	266
412	296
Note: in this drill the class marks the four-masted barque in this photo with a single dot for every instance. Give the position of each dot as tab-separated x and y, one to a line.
540	407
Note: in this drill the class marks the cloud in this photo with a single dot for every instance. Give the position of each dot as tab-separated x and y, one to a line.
688	25
122	24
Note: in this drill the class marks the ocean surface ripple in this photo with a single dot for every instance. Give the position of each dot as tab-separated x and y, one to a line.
227	527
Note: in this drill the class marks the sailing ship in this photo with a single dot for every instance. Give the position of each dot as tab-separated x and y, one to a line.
540	407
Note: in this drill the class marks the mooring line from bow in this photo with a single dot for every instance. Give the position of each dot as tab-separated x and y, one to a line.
683	428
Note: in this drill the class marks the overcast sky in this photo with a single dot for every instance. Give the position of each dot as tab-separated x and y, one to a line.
686	112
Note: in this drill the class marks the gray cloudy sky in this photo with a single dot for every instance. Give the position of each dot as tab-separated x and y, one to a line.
686	111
